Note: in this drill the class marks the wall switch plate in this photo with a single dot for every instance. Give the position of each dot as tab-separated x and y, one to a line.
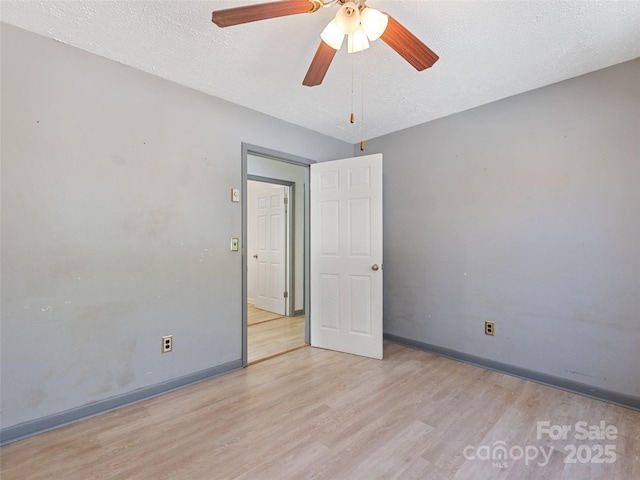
235	244
235	195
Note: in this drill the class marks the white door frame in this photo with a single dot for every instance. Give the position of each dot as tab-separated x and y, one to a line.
248	149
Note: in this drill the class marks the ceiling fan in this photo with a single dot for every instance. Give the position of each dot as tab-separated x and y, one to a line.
354	19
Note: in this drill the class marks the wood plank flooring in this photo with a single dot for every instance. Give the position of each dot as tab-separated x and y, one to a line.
256	315
317	414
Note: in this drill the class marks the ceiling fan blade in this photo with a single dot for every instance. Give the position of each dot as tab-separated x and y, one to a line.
408	46
262	11
319	65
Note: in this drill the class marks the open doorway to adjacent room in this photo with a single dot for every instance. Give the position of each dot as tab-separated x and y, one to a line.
275	255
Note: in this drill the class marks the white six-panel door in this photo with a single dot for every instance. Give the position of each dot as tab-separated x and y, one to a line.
271	249
346	255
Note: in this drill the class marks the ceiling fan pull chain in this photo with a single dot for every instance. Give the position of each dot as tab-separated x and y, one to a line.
362	104
353	118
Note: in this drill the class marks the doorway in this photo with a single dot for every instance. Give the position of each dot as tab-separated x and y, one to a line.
280	323
273	327
347	248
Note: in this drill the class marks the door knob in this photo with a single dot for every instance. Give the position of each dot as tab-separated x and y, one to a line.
255	256
375	267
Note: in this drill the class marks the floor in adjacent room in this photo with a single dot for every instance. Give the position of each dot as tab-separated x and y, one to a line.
270	334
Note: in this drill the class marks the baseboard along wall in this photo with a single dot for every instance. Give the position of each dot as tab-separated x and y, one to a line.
50	422
616	398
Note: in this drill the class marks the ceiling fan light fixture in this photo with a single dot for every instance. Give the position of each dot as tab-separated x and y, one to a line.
353	16
357	41
374	23
332	36
348	18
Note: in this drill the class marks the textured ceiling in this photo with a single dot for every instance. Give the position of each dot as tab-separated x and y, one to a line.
488	50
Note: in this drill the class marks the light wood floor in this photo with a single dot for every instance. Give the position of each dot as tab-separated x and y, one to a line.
269	334
318	414
256	315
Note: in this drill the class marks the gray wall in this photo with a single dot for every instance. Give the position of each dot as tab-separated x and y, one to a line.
526	212
116	220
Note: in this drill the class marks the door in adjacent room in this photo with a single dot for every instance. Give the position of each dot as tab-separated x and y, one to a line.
269	257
